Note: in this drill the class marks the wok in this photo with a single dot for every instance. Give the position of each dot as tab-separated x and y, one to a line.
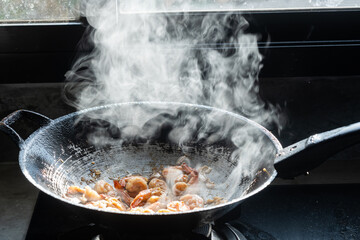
136	137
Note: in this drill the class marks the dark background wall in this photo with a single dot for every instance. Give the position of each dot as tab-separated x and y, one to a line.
311	69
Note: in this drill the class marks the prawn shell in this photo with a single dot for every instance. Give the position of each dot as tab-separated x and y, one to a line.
135	185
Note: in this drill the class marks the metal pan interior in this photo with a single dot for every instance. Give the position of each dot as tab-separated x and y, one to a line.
63	153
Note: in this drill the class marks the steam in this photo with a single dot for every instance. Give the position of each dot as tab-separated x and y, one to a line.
206	59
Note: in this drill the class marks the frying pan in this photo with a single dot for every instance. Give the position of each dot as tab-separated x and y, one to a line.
136	137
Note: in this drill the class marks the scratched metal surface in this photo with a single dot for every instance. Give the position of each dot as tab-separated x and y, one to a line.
60	154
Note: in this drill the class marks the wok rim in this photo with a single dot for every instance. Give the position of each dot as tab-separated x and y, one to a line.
235	201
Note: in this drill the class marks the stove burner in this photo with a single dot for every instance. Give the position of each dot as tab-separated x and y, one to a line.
61	223
240	231
98	232
281	212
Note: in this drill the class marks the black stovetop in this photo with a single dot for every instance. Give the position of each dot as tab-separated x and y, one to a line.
278	212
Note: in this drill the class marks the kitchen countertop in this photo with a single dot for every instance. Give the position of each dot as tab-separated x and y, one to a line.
17	200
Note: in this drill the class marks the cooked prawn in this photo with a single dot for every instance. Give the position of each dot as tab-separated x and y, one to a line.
192	201
144	195
91	195
119	186
98	204
155	182
157	206
177	206
103	187
193	173
153	199
182	178
172	173
163	211
135	184
141	210
74	190
138	194
115	203
179	188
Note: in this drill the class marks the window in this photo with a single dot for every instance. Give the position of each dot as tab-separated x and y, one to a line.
20	11
128	6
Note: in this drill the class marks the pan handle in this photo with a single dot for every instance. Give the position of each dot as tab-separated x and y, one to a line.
301	157
6	122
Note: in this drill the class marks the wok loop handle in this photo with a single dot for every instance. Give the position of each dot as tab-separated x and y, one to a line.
309	153
6	122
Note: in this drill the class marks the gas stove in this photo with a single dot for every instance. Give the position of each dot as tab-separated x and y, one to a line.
279	212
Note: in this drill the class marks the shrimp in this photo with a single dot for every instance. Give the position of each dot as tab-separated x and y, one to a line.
172	173
155	182
193	173
98	204
156	206
103	187
170	169
121	183
166	192
111	202
163	211
132	184
216	201
153	199
74	190
135	184
119	186
141	210
182	178
177	206
179	188
113	209
148	211
115	203
109	194
192	201
144	195
91	195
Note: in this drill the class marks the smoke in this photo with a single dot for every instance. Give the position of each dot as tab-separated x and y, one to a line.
206	59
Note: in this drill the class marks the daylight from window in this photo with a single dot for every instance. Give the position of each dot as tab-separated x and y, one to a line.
38	10
68	10
128	6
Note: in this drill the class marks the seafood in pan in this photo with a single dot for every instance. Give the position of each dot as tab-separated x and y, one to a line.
172	189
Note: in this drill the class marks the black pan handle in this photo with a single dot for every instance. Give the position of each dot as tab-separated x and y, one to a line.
6	122
301	157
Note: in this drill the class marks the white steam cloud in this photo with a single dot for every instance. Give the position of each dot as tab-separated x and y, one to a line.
203	59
